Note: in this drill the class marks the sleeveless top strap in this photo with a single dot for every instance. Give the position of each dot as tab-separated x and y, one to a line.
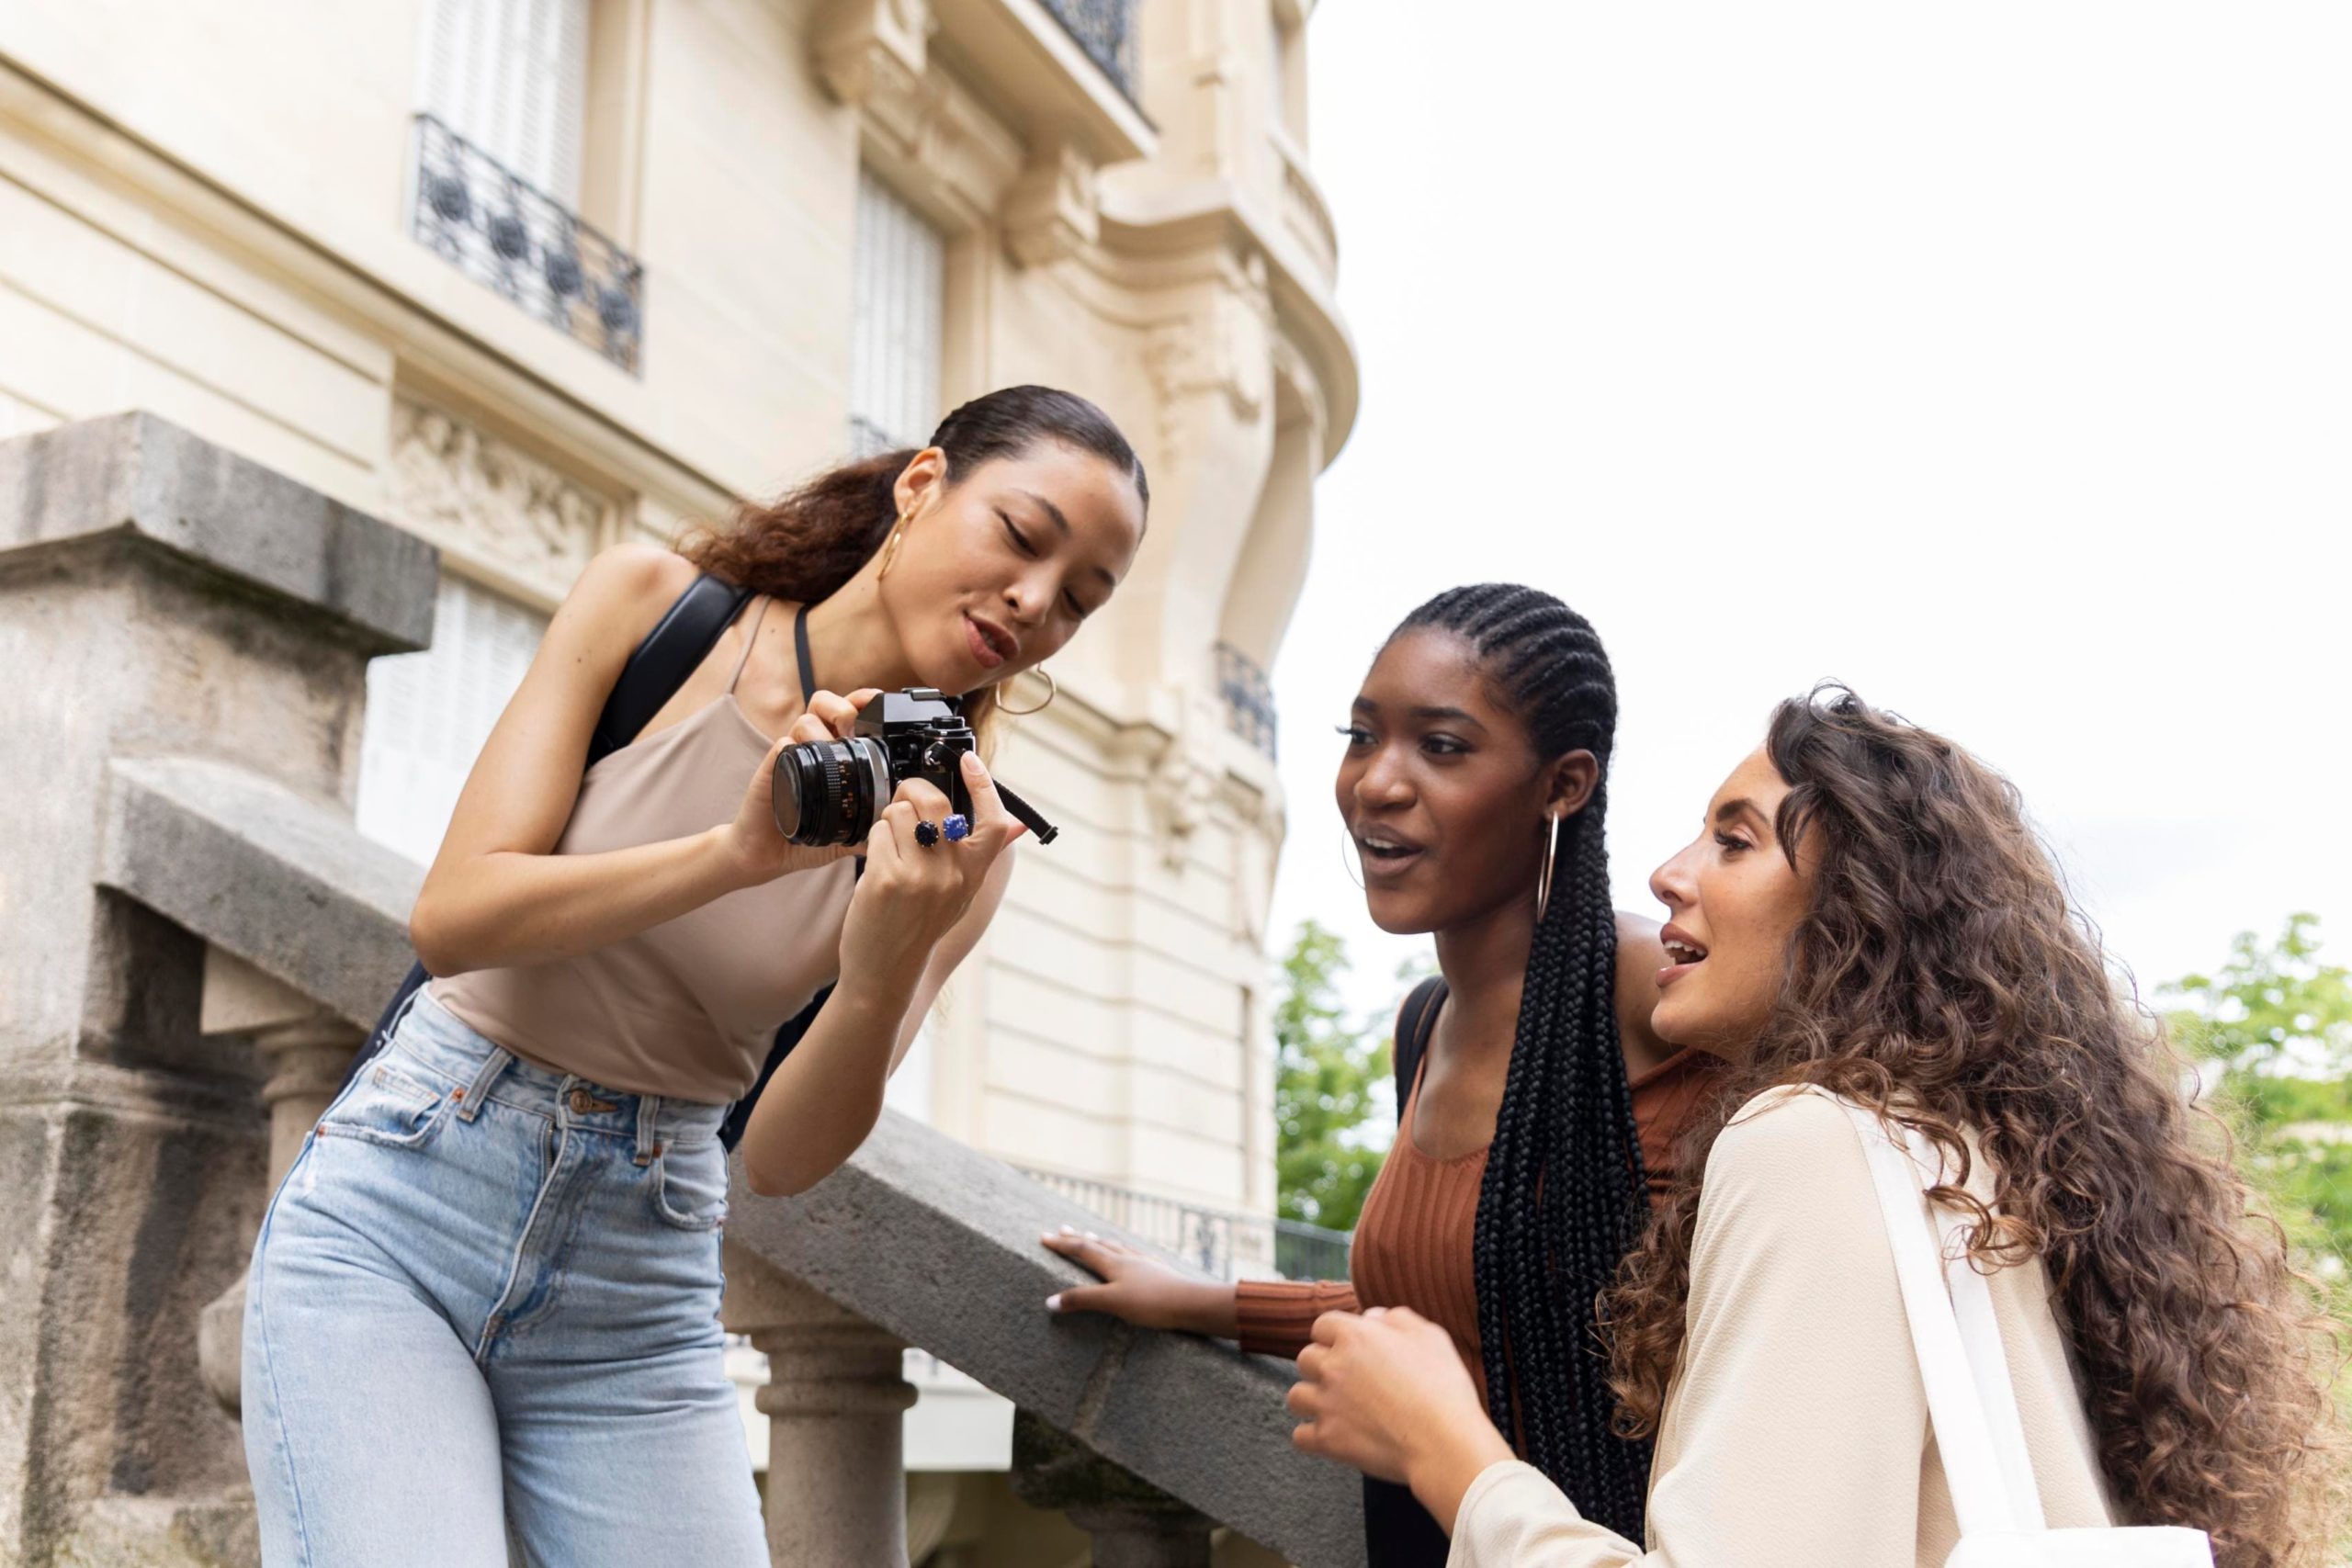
751	637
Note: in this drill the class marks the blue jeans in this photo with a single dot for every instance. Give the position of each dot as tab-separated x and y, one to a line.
486	1298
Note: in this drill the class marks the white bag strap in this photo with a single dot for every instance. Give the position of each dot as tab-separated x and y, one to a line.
1981	1493
1980	1337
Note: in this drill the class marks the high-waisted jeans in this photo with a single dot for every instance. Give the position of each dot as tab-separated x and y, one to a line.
484	1298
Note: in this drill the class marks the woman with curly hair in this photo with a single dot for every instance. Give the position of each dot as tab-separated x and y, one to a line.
1866	917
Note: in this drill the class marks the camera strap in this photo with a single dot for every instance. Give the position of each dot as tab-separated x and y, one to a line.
800	651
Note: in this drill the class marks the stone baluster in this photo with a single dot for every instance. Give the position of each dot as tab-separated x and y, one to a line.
1134	1524
836	1401
304	1050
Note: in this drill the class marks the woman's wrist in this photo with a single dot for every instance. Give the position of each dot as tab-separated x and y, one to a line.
1447	1456
1210	1307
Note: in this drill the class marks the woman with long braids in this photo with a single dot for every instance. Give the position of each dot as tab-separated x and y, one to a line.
485	1299
1474	788
1868	933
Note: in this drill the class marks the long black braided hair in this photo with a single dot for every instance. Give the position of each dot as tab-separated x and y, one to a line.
1565	1195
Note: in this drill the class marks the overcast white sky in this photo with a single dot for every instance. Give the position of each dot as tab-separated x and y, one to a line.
1995	358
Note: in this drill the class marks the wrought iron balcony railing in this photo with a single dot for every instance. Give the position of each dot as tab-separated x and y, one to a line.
1249	696
1214	1241
501	230
1105	30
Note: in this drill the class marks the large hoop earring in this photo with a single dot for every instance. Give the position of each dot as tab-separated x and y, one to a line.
1052	690
1544	877
890	549
1355	872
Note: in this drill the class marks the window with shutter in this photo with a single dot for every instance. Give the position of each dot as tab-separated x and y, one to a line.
895	328
429	713
511	76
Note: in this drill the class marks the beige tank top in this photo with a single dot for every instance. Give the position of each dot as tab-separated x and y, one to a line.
687	1008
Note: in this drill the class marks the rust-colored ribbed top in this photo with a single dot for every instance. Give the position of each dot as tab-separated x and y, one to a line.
1413	1240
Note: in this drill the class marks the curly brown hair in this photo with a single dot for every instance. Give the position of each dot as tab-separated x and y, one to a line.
1939	969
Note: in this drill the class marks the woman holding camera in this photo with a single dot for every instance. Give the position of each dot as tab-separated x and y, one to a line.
1474	785
485	1298
1865	917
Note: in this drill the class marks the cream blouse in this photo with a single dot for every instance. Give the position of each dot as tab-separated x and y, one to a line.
1795	1432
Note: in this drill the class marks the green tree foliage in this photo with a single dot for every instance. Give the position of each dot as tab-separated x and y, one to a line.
1327	1074
2273	1028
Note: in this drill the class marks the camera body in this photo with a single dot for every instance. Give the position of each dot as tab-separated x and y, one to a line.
923	735
828	792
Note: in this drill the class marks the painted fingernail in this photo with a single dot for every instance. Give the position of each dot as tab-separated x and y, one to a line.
1053	1304
1067	1231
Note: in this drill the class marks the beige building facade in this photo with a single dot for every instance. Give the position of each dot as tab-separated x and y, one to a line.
844	217
528	277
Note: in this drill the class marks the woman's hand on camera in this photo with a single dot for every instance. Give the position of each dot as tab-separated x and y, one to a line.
1140	1289
912	893
760	852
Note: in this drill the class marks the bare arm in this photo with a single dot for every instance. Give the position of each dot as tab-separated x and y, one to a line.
497	893
916	914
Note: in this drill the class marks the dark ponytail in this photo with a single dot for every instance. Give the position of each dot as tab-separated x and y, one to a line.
804	547
1565	1195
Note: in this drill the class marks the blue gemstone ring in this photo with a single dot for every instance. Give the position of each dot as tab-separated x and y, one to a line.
926	833
957	827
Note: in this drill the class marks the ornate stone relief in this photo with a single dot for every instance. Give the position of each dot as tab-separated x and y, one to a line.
477	497
1181	785
1222	346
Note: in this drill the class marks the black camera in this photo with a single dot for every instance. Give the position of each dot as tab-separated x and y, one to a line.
828	792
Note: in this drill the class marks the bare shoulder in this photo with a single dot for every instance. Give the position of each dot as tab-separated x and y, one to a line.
630	585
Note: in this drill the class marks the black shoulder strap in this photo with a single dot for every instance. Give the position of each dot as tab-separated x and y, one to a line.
679	642
1413	1022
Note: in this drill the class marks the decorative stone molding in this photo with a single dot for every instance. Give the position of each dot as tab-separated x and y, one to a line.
933	139
477	497
869	49
1218	348
1303	208
1181	784
1053	208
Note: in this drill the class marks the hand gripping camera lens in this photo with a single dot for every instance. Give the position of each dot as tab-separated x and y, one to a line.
957	827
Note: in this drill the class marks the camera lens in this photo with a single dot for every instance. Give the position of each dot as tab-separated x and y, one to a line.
825	792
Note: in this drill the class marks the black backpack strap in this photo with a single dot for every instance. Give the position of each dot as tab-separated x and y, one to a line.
672	650
1414	1020
657	667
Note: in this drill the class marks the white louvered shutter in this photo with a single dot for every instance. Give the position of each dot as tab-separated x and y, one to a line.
511	76
895	326
429	713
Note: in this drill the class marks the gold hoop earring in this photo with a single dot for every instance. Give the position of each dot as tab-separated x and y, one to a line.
1354	871
890	549
1543	878
1052	690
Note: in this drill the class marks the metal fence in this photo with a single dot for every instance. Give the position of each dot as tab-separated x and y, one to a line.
1215	1241
1106	30
1249	696
501	230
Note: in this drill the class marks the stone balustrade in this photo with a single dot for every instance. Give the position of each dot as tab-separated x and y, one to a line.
192	635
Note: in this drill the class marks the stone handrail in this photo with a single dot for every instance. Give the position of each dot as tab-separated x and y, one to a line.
933	1243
